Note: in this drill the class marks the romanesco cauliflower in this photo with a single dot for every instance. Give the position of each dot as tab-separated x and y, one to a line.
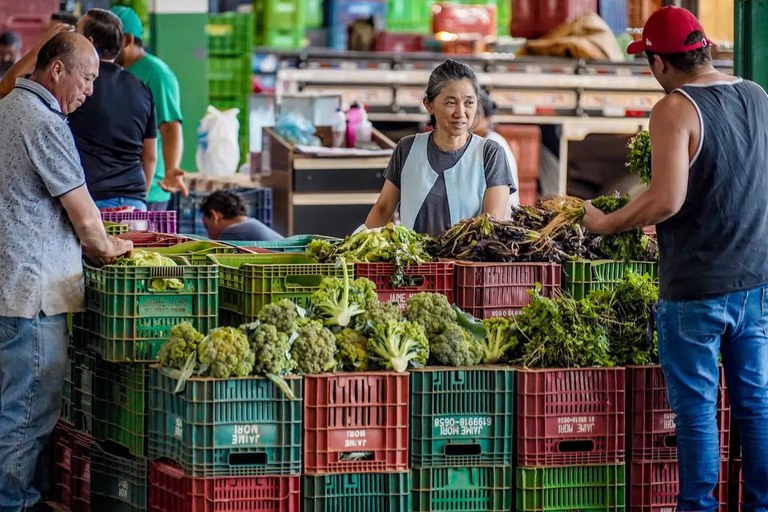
283	315
432	311
182	341
352	350
226	353
455	347
314	348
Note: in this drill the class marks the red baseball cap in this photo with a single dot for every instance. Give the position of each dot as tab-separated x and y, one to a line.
666	30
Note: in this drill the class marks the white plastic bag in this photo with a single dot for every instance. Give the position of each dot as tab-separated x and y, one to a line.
218	149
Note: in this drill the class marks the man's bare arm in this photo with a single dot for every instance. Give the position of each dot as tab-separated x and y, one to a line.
674	122
149	160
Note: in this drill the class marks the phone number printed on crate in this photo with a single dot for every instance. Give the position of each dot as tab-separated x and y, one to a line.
450	426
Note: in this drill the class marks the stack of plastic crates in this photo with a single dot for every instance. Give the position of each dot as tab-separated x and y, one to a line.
130	312
356	442
462	439
221	442
230	45
570	440
652	442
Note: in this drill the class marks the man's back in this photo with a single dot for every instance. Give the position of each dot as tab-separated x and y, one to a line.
109	129
716	244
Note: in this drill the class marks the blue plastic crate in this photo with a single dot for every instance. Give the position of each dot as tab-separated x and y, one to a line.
343	12
614	12
258	205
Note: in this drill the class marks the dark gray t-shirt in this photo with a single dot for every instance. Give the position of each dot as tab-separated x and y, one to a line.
250	230
434	218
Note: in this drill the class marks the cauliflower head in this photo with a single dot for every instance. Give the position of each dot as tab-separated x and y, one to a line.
499	341
182	342
283	315
455	347
314	348
397	345
432	311
339	300
226	353
271	349
379	313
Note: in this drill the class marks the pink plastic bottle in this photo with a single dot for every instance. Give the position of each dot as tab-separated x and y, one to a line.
354	117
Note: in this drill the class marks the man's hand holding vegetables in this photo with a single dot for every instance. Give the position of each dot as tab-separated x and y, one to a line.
709	142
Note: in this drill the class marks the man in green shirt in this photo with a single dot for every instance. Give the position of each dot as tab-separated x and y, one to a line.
159	77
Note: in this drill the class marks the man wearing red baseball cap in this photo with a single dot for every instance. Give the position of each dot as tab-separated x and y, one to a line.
707	198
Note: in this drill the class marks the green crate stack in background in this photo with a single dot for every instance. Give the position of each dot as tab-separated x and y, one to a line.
415	16
231	39
280	24
462	439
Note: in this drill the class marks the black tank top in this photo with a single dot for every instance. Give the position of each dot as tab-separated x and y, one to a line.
718	242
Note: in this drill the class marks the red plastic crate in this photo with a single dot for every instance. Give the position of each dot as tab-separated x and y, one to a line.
148	239
525	143
171	491
464	19
535	18
488	290
398	43
737	479
654	486
353	413
80	491
159	222
435	278
570	417
651	422
61	477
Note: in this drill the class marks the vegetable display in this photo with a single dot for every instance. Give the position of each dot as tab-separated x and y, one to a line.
144	258
339	300
632	245
225	353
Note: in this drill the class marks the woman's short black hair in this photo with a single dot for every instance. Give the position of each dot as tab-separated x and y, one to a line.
688	61
446	73
227	203
487	105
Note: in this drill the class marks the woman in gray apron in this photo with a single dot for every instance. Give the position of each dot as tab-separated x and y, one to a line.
447	175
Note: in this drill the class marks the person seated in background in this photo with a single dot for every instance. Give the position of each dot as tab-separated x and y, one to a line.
225	218
10	50
484	128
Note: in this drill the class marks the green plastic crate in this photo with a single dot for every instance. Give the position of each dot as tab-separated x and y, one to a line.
295	243
229	76
118	483
226	427
230	34
280	15
580	278
462	417
126	321
314	13
82	377
413	16
368	492
561	489
284	39
196	251
115	228
121	405
248	282
455	489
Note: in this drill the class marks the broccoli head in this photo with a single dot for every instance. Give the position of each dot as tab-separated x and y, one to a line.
226	353
499	341
338	301
272	349
379	313
398	344
455	347
283	315
432	311
352	350
182	342
314	348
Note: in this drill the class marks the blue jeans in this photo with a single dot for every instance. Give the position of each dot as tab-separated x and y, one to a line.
33	357
692	334
121	201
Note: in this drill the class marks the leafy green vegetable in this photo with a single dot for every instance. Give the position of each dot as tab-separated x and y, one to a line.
393	244
225	353
398	345
633	245
639	158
